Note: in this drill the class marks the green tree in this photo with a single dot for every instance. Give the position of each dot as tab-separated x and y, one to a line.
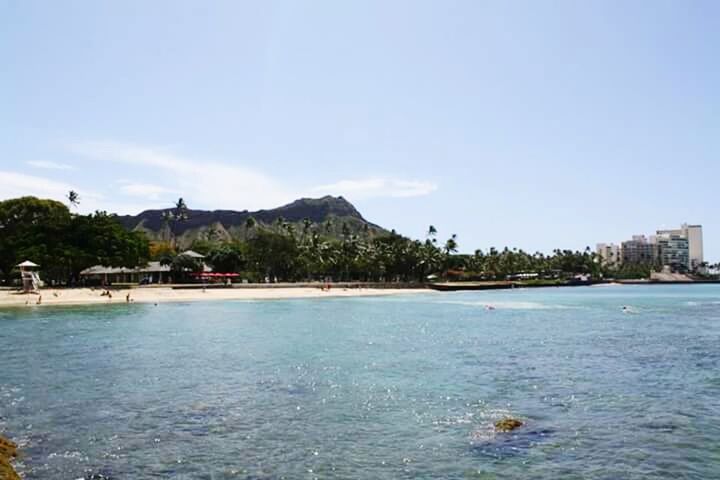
273	254
227	258
34	229
451	245
63	244
432	233
99	239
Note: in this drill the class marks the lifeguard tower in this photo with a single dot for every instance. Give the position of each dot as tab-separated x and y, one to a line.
30	278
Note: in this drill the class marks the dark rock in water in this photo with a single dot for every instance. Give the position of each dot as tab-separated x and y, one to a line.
103	474
660	427
501	444
507	424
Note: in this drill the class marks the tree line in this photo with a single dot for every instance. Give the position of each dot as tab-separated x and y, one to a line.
61	242
285	253
65	243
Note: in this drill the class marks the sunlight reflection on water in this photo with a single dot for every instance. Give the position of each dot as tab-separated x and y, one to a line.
401	387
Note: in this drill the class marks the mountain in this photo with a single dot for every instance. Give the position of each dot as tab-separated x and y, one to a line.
231	224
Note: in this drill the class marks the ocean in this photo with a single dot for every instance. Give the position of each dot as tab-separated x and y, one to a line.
399	387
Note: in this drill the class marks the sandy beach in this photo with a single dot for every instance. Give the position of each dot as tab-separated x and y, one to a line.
86	296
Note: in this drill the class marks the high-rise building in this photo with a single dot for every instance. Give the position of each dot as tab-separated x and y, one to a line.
639	250
695	245
680	250
610	254
693	235
673	252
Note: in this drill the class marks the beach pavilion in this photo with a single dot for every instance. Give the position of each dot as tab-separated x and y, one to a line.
151	273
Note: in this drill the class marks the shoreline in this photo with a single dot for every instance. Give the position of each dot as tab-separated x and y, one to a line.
157	295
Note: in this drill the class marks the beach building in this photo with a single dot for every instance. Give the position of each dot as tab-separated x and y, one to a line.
610	254
639	250
191	254
30	278
694	236
151	273
673	250
678	250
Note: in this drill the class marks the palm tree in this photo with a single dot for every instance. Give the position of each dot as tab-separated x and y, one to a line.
167	217
73	198
451	245
307	223
173	217
181	210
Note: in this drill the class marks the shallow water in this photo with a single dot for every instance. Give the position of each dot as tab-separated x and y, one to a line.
370	388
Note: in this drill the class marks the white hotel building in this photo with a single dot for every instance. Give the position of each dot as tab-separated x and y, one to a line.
678	249
694	236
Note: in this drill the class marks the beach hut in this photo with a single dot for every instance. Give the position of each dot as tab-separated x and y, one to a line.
153	272
30	278
191	254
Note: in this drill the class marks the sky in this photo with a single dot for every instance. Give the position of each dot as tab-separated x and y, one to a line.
532	124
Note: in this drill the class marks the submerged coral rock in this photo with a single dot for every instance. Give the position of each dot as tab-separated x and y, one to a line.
8	450
507	424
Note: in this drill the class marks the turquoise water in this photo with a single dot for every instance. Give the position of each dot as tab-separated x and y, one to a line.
370	388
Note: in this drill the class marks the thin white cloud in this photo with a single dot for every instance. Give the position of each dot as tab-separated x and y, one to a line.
205	183
212	184
14	185
145	190
49	165
377	187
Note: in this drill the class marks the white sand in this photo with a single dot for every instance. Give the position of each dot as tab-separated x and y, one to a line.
86	296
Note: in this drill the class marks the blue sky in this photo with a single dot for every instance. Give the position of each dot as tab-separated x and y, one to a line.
537	124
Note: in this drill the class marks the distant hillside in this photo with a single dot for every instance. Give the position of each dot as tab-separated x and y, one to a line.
231	224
